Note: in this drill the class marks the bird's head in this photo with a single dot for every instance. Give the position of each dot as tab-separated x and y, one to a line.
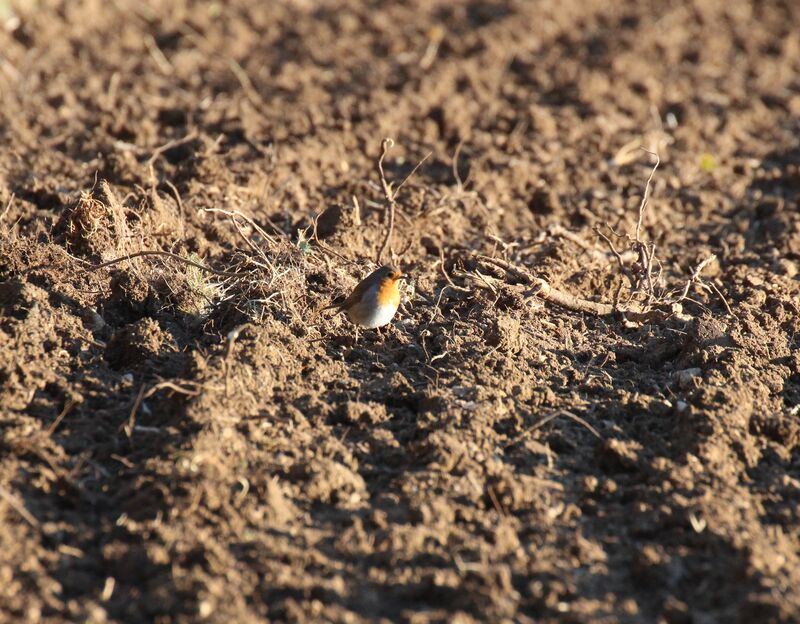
389	272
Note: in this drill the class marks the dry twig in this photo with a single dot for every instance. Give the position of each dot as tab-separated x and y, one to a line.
130	425
390	194
565	299
323	246
695	276
640	276
640	272
159	151
552	416
66	410
695	279
446	276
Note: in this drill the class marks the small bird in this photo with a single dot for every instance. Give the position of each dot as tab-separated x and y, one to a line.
374	302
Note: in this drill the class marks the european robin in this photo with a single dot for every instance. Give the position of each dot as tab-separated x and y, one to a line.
373	303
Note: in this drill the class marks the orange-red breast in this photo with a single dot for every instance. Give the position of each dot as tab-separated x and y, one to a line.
374	302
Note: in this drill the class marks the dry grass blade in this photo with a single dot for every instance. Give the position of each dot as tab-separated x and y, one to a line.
166	254
17	506
456	173
7	208
235	213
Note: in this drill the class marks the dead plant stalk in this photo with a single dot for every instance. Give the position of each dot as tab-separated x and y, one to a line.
390	195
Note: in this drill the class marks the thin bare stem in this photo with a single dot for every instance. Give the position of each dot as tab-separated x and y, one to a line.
130	426
623	269
159	151
244	217
389	196
722	297
646	195
552	416
413	171
695	276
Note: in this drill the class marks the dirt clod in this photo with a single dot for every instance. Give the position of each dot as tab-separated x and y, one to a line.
135	344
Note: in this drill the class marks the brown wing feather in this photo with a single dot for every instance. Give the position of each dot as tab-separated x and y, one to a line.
356	295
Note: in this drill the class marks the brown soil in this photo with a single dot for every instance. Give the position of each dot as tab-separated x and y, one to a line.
160	462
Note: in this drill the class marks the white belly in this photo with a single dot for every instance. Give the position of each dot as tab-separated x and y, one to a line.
378	317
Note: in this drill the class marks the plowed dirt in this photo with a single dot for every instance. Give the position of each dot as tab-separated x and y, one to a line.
178	444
